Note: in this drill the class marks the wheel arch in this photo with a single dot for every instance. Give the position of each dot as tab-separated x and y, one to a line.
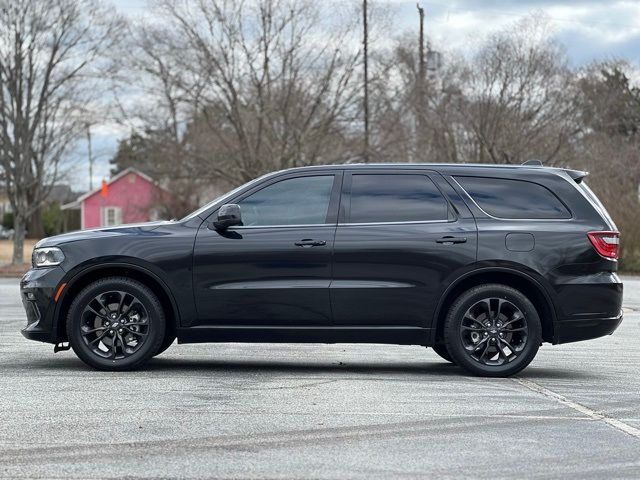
511	277
90	274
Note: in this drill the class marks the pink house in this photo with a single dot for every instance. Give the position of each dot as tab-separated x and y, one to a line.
128	197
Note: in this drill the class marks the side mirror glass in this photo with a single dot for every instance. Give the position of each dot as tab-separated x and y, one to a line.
228	216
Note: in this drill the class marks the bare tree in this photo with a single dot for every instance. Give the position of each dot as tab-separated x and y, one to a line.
415	115
609	147
263	85
49	53
609	101
518	98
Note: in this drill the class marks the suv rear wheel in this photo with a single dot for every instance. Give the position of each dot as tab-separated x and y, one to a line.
116	323
492	331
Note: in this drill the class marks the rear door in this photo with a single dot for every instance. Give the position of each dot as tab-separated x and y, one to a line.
401	235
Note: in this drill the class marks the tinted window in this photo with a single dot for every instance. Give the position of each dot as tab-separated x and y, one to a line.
295	201
395	198
592	197
513	198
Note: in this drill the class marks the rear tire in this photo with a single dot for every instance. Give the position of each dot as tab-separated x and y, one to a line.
116	323
492	331
441	350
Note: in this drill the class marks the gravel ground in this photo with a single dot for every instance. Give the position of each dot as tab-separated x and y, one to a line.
319	411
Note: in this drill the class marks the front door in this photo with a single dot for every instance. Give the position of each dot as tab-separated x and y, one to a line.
399	237
275	270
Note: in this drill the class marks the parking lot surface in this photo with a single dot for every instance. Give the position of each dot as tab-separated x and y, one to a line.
319	411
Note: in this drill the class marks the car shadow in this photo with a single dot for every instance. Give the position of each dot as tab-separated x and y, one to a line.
436	368
302	366
185	366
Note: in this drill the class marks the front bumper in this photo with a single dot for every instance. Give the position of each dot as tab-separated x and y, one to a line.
37	291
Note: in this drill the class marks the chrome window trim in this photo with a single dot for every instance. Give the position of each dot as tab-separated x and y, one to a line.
303	225
414	222
308	225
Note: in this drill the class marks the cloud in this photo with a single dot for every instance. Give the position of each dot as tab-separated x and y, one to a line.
589	29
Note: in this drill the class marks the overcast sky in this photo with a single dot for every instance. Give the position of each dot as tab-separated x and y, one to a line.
589	29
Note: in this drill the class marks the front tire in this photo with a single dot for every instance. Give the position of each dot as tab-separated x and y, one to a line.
492	331
116	323
166	343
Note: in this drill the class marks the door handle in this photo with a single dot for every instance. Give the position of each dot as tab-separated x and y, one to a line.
448	240
308	242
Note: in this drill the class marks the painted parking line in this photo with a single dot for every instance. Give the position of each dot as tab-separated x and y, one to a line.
593	414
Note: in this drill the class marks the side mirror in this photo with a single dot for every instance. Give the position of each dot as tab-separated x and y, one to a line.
228	216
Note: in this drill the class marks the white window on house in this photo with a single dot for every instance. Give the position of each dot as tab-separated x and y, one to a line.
154	215
111	216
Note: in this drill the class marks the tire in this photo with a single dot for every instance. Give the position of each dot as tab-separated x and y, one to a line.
166	343
441	350
492	331
116	324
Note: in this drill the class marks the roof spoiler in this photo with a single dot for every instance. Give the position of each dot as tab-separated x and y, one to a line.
576	175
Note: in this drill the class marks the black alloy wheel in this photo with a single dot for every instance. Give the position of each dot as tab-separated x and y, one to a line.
116	324
492	330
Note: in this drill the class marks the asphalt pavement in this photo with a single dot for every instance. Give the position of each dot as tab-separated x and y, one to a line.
319	411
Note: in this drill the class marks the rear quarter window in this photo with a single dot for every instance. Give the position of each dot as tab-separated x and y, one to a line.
513	199
597	204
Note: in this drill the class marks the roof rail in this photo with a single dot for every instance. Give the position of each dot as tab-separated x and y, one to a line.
533	163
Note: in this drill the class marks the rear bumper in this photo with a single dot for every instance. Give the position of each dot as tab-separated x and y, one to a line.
587	306
576	330
597	295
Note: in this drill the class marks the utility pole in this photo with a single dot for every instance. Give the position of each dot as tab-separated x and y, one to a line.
90	157
422	67
421	86
366	81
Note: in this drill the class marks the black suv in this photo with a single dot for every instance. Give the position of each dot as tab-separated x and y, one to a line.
482	263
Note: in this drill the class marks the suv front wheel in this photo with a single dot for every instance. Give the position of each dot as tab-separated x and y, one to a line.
116	323
492	331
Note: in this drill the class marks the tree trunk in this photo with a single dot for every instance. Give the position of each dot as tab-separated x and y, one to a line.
18	239
35	227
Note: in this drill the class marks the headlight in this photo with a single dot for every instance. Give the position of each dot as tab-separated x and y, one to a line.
47	257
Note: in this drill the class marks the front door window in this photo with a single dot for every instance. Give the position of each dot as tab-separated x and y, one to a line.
294	201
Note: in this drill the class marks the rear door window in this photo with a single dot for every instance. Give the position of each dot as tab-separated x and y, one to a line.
378	198
513	199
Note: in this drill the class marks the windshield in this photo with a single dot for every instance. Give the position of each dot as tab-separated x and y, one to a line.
220	199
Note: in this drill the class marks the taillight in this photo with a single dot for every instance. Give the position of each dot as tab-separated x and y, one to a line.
606	243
